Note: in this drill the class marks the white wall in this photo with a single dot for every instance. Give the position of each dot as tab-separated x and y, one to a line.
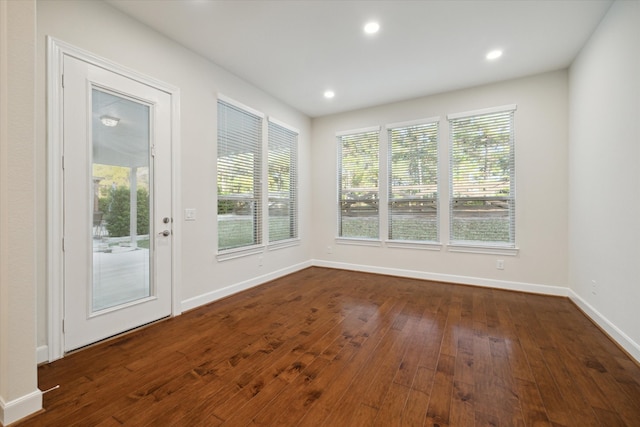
604	215
19	394
541	181
99	28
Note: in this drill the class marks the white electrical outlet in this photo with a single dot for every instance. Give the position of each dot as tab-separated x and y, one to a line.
329	249
594	287
500	264
260	260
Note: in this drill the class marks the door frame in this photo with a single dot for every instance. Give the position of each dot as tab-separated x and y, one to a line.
56	51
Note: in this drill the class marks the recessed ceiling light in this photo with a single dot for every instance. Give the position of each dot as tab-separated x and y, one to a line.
329	94
371	28
494	54
109	121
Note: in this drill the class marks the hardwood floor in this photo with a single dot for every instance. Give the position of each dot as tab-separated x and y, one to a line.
326	347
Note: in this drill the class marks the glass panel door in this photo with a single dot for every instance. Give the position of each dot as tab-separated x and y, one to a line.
121	196
117	208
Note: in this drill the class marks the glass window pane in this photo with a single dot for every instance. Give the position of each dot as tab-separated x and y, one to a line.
238	180
413	182
358	187
283	178
482	179
121	208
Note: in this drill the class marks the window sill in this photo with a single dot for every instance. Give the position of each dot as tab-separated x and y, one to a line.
358	242
281	244
413	244
239	252
483	249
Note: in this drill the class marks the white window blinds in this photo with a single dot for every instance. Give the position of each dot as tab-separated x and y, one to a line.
283	178
413	182
358	198
239	170
483	178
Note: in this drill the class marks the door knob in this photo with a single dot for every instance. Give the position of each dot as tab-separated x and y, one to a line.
165	233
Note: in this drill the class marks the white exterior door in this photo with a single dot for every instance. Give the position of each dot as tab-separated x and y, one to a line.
117	203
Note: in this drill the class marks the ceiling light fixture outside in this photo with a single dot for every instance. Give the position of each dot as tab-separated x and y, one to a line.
329	94
494	54
371	28
109	121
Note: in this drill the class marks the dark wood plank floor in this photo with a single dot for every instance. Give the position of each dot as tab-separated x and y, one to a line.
326	347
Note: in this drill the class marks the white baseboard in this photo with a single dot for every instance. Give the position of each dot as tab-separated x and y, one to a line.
42	354
630	346
238	287
448	278
16	409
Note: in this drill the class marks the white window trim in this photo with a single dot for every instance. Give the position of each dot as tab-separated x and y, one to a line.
241	106
357	131
281	244
228	254
358	241
483	249
483	111
283	124
414	244
410	123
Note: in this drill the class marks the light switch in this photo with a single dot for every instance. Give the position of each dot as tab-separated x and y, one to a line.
189	214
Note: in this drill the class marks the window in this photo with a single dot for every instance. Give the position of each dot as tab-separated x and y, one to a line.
283	185
239	170
358	199
483	178
413	181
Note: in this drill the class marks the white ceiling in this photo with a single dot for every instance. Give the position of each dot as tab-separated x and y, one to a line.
297	49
